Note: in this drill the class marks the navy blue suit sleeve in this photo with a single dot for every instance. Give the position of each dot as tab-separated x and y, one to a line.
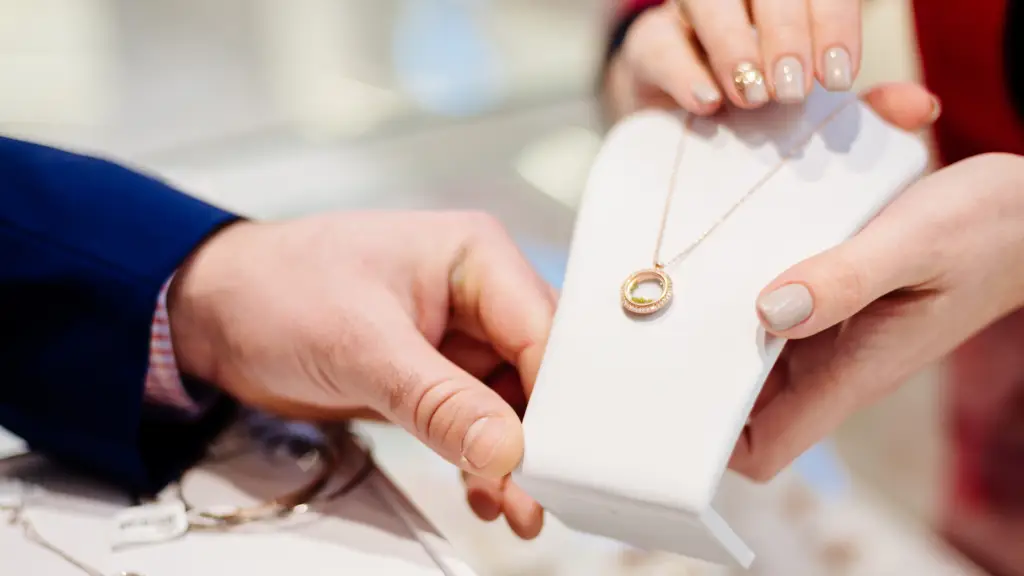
85	246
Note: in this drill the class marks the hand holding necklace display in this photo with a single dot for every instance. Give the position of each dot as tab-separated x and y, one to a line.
906	105
635	304
939	265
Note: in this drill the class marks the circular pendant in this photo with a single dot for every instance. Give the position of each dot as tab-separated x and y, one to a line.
636	304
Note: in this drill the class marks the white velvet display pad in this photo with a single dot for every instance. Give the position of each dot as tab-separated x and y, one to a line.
632	421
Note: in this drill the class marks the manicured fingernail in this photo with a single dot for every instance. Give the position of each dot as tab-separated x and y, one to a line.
936	110
838	69
789	80
786	307
706	94
749	82
483	438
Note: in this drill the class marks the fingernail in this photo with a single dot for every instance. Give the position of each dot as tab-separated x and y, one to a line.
786	307
749	82
936	110
483	438
838	69
706	94
789	80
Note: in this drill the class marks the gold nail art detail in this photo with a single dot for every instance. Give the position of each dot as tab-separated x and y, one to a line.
748	79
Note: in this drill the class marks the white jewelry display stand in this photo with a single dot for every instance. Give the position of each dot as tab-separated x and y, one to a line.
633	420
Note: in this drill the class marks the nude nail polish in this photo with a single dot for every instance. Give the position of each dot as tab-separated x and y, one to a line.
838	69
789	80
749	81
786	307
706	94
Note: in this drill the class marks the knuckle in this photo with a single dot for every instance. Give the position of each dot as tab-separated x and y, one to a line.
427	401
468	230
847	288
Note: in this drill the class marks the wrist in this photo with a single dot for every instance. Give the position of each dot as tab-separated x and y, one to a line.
1001	208
192	304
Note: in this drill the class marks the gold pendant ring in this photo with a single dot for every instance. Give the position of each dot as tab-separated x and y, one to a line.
635	304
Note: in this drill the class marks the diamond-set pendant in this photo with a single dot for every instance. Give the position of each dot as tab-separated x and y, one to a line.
640	305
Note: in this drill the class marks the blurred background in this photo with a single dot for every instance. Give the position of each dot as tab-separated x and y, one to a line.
281	107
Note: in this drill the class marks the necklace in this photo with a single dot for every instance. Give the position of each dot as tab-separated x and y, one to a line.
642	306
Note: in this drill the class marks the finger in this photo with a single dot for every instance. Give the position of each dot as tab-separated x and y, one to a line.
904	104
507	383
483	363
784	29
524	515
454	414
660	49
773	385
484	495
724	30
472	355
836	26
495	293
839	371
851	369
828	288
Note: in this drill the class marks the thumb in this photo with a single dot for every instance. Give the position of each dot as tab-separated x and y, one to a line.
449	410
831	287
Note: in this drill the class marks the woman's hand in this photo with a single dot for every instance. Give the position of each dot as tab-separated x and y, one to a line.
905	105
694	52
940	264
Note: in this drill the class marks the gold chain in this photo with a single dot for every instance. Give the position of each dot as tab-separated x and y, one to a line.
673	183
638	305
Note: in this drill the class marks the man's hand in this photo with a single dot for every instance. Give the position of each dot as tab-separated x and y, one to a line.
433	320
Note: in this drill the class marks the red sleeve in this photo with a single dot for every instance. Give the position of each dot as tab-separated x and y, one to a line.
963	60
626	12
627	7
